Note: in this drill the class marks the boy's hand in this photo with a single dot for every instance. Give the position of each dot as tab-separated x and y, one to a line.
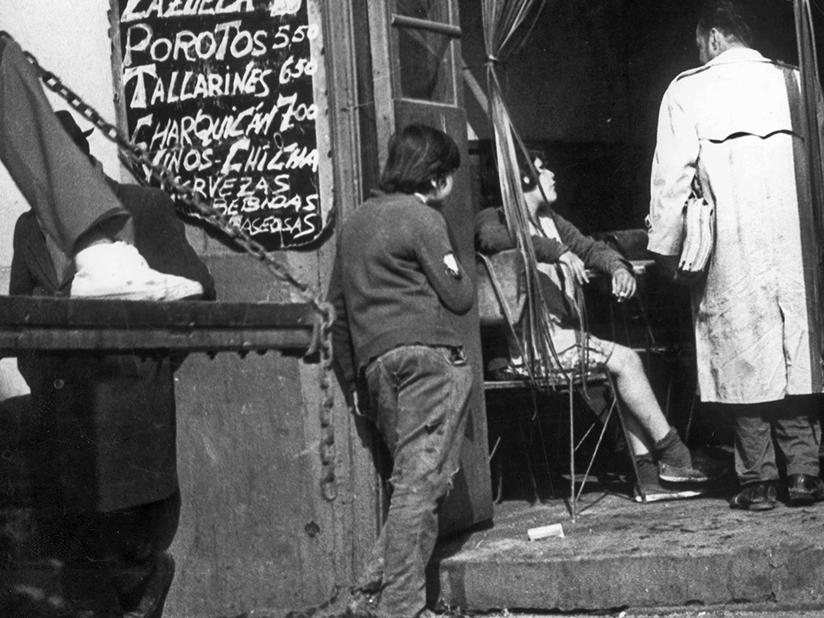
576	266
623	284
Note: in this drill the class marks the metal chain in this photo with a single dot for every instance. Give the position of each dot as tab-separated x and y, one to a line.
218	219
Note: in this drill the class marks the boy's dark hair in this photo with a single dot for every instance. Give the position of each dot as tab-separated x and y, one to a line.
729	17
418	154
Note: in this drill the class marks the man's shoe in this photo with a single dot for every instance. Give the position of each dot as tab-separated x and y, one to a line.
804	489
153	597
117	271
758	496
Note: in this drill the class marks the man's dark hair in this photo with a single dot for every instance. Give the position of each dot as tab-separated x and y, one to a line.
418	154
729	17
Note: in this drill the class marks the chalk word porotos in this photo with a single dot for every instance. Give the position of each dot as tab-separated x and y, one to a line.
136	10
187	45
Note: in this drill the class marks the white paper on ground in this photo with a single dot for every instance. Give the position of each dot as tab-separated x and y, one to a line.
544	532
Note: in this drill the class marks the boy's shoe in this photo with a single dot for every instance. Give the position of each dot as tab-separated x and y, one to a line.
653	489
117	271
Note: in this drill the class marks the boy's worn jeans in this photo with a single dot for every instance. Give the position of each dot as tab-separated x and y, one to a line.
419	400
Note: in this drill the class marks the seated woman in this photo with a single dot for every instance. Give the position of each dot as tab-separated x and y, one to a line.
662	457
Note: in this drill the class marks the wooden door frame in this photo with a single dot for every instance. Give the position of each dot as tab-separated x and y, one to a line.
471	503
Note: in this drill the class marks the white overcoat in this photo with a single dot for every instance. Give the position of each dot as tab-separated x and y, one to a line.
754	316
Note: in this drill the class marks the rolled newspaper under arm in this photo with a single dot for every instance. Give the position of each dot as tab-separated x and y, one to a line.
699	235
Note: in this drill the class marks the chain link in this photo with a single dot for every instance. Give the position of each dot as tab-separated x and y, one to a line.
219	220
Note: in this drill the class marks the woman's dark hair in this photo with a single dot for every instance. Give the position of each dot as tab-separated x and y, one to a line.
729	18
526	168
490	184
418	154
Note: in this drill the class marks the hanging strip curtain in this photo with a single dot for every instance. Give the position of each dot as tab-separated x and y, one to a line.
506	25
811	116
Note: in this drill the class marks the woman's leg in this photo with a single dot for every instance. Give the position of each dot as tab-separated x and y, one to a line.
645	421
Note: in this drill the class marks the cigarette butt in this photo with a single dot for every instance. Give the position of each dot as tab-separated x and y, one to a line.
544	532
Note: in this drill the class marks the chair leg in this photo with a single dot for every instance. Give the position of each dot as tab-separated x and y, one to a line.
547	464
628	442
573	499
615	406
601	434
527	449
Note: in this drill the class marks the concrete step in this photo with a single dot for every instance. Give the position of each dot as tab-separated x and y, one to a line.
622	555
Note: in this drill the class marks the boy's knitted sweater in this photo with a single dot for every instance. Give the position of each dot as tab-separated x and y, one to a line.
395	282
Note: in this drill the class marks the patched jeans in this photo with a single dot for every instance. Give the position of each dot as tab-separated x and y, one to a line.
419	401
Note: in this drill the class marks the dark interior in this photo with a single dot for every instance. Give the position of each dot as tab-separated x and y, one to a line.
585	88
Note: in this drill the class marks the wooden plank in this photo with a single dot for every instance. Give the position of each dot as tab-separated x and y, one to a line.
54	324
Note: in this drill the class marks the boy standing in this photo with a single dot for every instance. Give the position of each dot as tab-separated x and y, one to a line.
396	287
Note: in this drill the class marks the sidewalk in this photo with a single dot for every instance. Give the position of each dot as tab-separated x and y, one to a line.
667	556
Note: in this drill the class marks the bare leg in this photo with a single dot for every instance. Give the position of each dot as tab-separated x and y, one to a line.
645	420
636	436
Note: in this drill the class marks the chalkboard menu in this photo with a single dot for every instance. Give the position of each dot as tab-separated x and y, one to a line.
223	94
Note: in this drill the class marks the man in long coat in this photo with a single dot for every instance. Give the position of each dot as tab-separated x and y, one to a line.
733	123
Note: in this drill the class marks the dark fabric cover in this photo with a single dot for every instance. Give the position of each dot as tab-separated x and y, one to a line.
110	433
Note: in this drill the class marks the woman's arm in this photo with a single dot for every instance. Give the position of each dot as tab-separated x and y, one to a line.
492	236
595	254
